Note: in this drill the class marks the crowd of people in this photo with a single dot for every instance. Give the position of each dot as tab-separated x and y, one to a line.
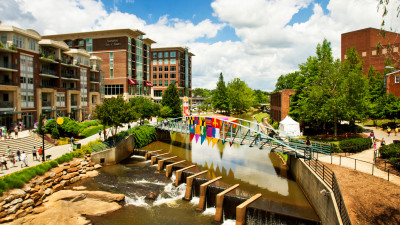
7	132
13	157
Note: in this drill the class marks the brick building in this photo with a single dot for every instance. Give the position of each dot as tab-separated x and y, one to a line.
125	55
365	41
44	76
280	104
171	65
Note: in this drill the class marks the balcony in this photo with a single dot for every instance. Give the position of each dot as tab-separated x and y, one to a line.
94	89
7	82
8	104
69	76
45	85
48	57
74	103
8	67
94	79
48	73
46	104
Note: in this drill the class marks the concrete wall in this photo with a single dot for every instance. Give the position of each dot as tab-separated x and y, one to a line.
312	185
163	135
115	155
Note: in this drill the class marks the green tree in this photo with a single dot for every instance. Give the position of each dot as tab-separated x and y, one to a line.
202	92
241	95
143	107
220	99
114	112
286	81
171	99
261	97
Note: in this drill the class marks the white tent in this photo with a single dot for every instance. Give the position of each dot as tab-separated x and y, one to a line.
289	127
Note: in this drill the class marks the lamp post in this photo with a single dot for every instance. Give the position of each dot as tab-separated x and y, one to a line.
43	144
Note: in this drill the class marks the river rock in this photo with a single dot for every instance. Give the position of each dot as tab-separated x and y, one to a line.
10	198
97	166
57	187
152	196
27	203
82	171
64	172
48	191
75	163
3	203
58	170
79	188
74	179
93	173
3	214
14	208
15	201
18	193
35	196
73	169
83	176
27	188
20	213
66	177
29	209
64	183
79	197
8	218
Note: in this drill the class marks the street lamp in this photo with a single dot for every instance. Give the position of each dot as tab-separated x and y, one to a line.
43	143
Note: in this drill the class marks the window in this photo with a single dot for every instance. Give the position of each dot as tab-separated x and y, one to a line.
396	79
160	55
173	61
160	62
68	42
165	68
160	75
155	62
154	83
165	54
154	68
166	83
157	93
160	83
173	75
3	38
115	89
154	76
18	41
111	73
166	61
166	75
154	54
160	68
5	97
173	68
173	54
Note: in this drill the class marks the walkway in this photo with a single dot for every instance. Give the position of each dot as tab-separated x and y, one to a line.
55	152
367	156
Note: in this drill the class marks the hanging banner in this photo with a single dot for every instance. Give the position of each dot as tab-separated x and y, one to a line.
203	138
191	137
214	141
209	140
197	137
185	106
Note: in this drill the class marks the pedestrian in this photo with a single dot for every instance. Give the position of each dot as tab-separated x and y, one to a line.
1	133
72	142
129	126
20	126
40	151
383	142
256	137
23	159
388	131
8	150
19	155
3	162
9	133
105	134
396	131
34	153
374	145
16	132
100	134
11	156
346	136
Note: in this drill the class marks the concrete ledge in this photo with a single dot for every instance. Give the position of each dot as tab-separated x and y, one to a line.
168	168
189	182
178	174
123	150
241	210
148	154
154	158
161	162
203	190
219	203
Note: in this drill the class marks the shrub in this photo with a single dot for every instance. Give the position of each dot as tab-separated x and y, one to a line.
275	125
355	145
91	131
55	134
391	151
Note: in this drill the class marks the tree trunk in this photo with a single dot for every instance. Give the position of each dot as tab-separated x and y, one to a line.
335	127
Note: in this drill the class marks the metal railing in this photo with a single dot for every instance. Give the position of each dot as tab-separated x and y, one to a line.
329	177
6	104
51	72
9	66
69	75
66	61
44	85
94	78
6	82
46	104
74	103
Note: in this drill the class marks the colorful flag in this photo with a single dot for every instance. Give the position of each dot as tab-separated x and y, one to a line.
215	123
197	137
214	141
209	140
203	131
202	121
208	121
196	120
191	128
216	133
197	130
191	136
209	132
202	138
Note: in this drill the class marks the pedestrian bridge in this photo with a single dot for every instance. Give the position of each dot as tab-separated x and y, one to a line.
236	130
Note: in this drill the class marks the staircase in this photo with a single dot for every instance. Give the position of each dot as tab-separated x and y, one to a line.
25	144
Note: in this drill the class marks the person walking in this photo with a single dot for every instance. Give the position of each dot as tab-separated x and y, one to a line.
396	131
16	132
100	134
255	137
383	142
40	151
19	155
3	162
374	145
8	150
72	143
11	156
23	160
388	131
34	153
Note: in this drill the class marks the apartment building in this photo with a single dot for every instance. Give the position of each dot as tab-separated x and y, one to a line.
126	58
45	76
171	65
366	41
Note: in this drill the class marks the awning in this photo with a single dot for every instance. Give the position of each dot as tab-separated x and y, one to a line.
9	112
147	84
132	82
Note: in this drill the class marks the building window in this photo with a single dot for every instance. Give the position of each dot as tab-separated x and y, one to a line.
154	68
160	83
154	54
160	75
160	68
165	68
160	55
396	79
157	93
166	75
155	83
165	54
115	89
160	62
173	61
111	73
166	83
155	62
173	68
173	75
165	61
154	76
173	54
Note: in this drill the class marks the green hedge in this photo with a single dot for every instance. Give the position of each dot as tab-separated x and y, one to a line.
91	130
392	153
355	145
260	116
69	127
144	135
19	178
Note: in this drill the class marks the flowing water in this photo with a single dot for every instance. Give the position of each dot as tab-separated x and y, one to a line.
255	170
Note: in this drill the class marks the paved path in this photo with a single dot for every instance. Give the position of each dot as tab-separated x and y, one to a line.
55	152
367	156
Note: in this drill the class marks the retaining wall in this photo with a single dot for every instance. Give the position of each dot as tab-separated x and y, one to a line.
112	156
312	185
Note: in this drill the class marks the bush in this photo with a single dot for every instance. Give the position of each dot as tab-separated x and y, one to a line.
55	134
91	131
391	151
275	125
86	149
355	145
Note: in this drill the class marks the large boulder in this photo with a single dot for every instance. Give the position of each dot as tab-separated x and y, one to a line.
27	203
18	193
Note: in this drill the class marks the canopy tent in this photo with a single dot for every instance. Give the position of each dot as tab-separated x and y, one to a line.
289	127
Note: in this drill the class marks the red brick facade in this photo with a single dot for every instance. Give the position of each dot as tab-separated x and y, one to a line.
280	104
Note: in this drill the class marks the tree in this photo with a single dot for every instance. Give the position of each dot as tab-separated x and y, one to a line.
220	99
202	92
261	97
286	81
114	112
241	96
171	99
143	107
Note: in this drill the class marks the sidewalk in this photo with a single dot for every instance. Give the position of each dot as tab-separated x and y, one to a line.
367	156
55	152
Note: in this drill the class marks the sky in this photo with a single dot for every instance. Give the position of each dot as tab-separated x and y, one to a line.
254	40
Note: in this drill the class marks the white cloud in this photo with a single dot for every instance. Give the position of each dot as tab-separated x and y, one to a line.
268	46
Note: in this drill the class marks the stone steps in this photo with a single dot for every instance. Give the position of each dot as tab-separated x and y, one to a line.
25	144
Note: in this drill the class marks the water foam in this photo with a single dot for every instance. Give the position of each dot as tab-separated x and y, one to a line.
144	181
170	195
136	201
210	211
229	222
195	200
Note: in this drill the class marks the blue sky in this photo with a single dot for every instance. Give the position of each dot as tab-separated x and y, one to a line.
253	40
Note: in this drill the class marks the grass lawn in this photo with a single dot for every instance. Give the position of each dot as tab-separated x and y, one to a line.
261	116
379	123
